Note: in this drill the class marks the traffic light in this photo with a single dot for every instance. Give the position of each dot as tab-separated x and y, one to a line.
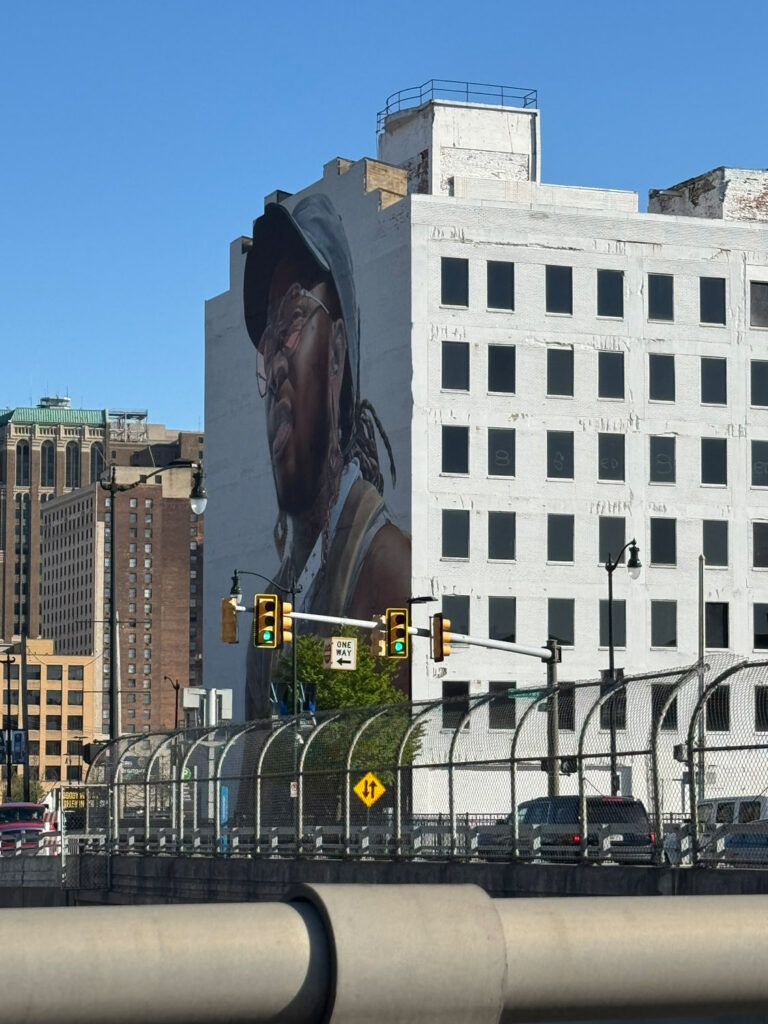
286	623
376	640
441	638
229	620
396	640
265	611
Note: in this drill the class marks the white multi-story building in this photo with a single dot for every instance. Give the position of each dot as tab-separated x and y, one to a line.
558	373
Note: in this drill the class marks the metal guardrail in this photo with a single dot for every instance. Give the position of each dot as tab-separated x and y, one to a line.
466	92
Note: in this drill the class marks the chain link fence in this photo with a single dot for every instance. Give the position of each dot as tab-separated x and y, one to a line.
666	767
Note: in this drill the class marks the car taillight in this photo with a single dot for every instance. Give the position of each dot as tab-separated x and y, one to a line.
576	838
652	836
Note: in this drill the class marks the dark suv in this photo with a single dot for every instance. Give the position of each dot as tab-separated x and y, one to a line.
618	829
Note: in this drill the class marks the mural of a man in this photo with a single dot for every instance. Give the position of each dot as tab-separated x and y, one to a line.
334	535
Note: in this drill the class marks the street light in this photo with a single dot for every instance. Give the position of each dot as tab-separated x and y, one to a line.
177	686
197	500
633	568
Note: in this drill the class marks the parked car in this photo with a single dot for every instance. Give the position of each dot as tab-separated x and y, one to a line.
720	836
553	824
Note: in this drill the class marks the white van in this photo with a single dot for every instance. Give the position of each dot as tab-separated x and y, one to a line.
721	836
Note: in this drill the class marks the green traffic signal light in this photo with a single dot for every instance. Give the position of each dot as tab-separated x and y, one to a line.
267	636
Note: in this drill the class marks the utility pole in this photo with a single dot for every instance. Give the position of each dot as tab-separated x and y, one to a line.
553	720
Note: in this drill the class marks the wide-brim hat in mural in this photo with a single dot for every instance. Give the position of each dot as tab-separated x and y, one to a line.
317	227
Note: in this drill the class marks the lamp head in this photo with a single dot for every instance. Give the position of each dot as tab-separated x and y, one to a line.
198	499
634	564
236	589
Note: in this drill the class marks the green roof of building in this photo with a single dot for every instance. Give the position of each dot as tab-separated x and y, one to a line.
52	416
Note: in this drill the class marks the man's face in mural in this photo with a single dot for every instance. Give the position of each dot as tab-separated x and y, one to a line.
300	367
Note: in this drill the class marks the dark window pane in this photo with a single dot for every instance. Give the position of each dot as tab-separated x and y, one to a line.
716	623
760	621
663	470
660	694
455	450
612	538
501	369
760	463
456	698
761	709
714	381
455	533
661	378
53	773
53	722
715	542
454	281
610	293
455	366
501	710
75	672
501	452
610	374
559	538
560	454
501	618
614	710
501	535
619	624
456	608
560	620
760	545
566	707
559	290
663	541
719	709
54	672
758	303
759	389
661	301
663	623
560	371
501	285
610	456
714	460
712	300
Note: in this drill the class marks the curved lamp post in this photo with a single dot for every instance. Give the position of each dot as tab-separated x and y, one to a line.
633	568
198	499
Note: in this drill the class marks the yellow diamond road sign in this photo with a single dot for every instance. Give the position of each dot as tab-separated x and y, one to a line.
369	789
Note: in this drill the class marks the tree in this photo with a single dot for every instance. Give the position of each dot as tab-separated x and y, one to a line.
36	792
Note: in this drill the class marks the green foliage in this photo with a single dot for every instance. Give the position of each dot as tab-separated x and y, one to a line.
36	793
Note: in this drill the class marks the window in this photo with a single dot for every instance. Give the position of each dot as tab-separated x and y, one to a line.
501	452
714	460
455	533
501	710
33	696
22	464
560	620
712	300
75	722
72	465
54	672
456	703
47	464
133	503
759	382
613	711
610	374
760	622
719	709
501	535
75	672
714	381
53	748
610	456
663	623
53	698
501	369
660	694
566	707
454	281
74	772
758	303
612	538
619	624
559	288
560	372
761	709
455	450
661	378
715	542
663	541
661	297
559	538
760	545
502	618
33	721
53	773
456	608
663	470
760	463
455	366
75	698
53	722
501	285
716	624
610	293
559	455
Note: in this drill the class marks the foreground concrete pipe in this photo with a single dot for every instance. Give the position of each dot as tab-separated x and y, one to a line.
348	954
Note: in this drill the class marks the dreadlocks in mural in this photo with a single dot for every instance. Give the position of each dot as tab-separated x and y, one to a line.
334	535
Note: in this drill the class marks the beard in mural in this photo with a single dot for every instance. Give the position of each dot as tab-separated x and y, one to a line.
334	535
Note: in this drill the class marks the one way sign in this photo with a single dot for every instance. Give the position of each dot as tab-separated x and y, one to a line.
340	652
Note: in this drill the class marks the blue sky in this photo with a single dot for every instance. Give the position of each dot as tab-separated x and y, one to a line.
140	136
